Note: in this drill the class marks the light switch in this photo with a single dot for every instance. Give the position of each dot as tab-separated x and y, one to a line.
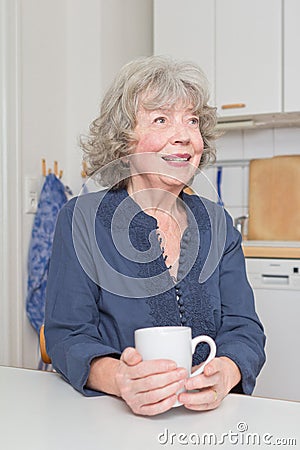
31	191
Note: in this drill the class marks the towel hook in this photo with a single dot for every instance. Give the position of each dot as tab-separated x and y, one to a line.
57	173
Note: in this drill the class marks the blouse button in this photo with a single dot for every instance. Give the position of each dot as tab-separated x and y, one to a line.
182	309
183	320
180	301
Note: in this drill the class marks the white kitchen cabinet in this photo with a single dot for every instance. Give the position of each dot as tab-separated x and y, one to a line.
186	30
248	56
291	55
248	50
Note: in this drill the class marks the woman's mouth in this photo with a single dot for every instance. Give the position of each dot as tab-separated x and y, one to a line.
177	157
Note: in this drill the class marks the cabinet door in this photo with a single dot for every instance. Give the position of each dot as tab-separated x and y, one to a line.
291	55
248	56
186	30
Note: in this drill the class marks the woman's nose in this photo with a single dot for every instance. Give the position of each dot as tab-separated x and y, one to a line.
180	135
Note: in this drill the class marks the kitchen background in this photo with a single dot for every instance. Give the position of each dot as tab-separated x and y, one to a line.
58	57
234	151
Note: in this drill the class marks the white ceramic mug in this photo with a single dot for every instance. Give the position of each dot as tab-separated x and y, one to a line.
173	343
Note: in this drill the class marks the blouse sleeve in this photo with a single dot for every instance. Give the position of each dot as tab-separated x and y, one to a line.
241	336
72	314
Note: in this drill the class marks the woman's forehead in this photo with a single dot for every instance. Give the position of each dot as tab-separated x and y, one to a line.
167	108
156	102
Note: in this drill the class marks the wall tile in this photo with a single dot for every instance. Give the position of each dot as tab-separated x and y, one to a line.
232	186
245	188
230	146
287	141
205	184
235	212
258	144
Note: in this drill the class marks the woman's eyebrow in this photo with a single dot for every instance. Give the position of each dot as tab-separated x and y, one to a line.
160	110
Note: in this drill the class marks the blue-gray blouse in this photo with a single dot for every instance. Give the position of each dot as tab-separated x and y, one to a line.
109	275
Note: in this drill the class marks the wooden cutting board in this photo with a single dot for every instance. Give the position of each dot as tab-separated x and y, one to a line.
274	199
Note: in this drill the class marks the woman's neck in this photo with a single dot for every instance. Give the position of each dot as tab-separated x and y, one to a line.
164	205
156	201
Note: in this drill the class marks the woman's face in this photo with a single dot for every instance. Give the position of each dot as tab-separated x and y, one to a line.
169	144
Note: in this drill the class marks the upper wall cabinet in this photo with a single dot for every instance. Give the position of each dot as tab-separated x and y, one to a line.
248	56
248	50
291	55
186	30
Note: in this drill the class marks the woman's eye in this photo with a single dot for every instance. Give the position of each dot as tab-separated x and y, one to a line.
160	120
194	121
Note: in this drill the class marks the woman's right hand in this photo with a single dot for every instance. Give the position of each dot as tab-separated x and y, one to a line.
148	387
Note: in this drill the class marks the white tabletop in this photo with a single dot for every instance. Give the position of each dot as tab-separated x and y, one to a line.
39	410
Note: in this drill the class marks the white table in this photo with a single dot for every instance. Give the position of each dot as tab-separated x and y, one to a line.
39	411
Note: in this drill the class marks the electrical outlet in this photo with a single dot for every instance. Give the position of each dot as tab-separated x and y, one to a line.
31	194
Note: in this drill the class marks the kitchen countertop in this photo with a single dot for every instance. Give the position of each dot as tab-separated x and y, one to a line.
271	249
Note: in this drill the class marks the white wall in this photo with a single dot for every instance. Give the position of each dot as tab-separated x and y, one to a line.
128	27
43	126
101	36
68	51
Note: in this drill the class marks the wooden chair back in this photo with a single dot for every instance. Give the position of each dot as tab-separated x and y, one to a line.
45	357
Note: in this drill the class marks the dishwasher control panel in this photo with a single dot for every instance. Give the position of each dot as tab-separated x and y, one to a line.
278	273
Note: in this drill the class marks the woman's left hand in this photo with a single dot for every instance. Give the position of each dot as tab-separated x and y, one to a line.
218	378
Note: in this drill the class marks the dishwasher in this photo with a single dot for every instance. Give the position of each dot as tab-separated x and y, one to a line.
276	285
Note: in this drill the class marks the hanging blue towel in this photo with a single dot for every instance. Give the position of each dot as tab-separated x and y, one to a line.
219	184
52	198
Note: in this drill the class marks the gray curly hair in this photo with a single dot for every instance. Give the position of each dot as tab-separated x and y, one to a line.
151	82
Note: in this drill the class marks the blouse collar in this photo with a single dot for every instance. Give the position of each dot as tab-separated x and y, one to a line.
118	208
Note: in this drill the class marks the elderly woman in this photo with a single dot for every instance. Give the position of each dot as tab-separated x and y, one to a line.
138	254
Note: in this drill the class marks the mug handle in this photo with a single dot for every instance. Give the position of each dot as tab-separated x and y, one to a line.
211	355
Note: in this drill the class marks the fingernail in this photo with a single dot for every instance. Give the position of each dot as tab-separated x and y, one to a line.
172	365
181	398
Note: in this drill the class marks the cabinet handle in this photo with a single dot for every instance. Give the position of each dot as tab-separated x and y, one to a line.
233	105
275	279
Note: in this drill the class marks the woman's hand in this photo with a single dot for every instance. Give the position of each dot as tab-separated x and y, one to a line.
218	378
148	387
